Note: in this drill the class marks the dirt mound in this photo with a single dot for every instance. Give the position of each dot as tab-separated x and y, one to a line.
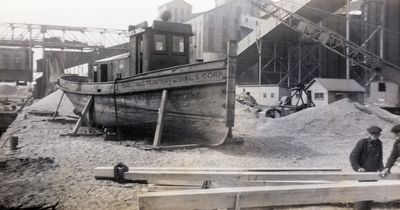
23	193
50	102
33	165
343	117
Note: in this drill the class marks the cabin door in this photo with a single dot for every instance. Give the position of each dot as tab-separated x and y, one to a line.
103	73
139	55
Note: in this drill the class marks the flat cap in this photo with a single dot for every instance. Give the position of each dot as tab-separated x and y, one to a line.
374	129
396	128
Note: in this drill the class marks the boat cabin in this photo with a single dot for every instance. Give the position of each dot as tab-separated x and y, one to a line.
163	45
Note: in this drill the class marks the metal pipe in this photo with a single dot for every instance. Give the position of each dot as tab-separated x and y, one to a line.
347	38
382	31
259	45
289	64
299	76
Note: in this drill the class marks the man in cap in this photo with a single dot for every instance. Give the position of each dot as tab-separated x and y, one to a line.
367	157
395	151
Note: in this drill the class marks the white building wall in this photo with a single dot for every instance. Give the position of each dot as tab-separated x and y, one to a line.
180	11
218	26
315	88
264	95
388	98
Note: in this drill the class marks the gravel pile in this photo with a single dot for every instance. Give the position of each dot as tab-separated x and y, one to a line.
343	117
50	102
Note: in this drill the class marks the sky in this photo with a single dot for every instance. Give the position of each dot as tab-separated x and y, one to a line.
88	13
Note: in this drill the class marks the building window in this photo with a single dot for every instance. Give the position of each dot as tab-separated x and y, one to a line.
160	42
6	60
272	95
264	95
319	96
18	62
178	44
381	87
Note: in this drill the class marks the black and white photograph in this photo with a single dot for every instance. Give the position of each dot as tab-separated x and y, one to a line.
199	104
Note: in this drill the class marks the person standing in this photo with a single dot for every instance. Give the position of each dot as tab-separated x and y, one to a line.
394	155
367	157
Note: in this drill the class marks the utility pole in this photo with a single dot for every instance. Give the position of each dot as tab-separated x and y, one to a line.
259	47
348	38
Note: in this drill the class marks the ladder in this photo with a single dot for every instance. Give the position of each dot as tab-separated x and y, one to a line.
331	40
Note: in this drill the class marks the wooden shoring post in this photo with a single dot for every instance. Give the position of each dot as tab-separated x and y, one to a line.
58	106
237	201
159	128
231	85
83	114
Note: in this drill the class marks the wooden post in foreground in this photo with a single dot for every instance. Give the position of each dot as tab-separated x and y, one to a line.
159	128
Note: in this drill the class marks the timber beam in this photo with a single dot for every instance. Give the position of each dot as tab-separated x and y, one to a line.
192	175
250	197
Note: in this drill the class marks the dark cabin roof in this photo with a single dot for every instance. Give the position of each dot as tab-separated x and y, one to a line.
172	27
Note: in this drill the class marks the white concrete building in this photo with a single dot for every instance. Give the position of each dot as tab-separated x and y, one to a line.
268	95
214	28
324	91
180	10
384	94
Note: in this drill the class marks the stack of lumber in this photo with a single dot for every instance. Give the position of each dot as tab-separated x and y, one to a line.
216	188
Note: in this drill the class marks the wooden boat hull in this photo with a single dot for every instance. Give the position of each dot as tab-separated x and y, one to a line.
198	109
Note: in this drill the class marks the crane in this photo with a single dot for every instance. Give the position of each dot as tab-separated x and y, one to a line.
333	41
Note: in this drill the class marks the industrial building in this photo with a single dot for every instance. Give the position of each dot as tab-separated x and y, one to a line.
14	64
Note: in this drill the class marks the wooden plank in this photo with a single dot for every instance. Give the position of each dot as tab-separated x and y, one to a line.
251	197
239	175
108	172
158	188
84	112
187	175
159	128
58	106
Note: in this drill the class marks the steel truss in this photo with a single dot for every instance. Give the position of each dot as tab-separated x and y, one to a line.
59	37
289	63
331	40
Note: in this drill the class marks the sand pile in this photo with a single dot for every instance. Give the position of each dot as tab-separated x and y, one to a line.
245	111
50	102
343	117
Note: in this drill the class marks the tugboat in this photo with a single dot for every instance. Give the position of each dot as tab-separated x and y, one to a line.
154	89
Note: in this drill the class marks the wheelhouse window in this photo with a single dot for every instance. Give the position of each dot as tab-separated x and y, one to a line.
178	44
319	96
160	42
